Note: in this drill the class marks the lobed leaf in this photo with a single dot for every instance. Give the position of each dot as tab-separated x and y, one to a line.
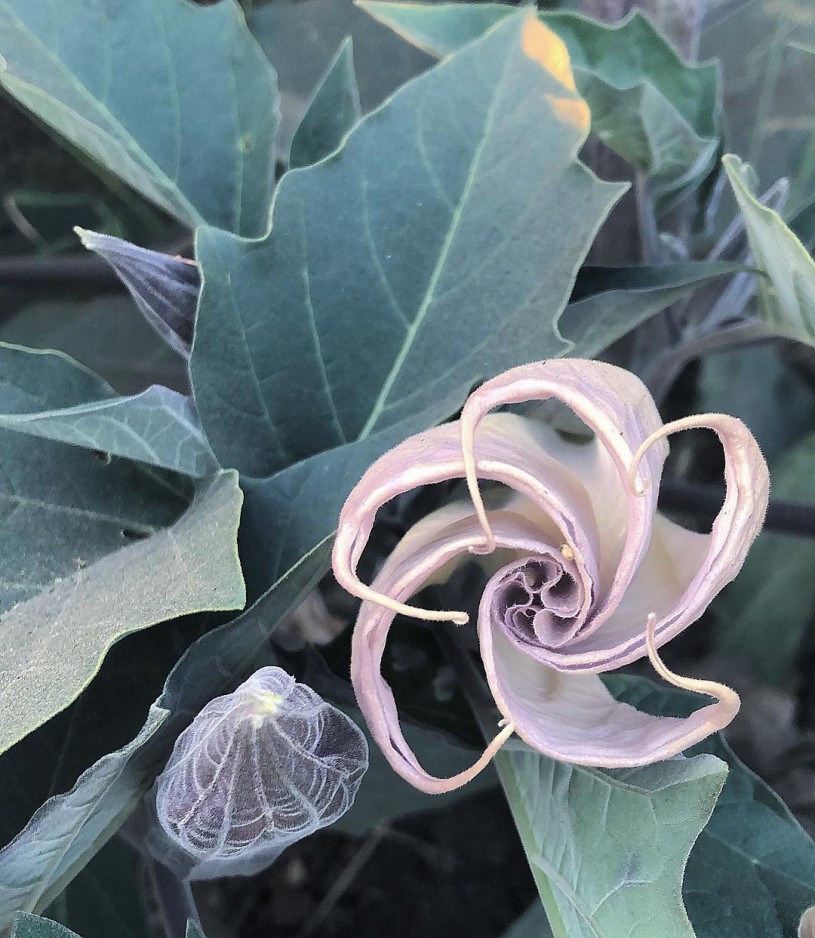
401	227
202	150
32	926
751	872
332	112
49	395
608	848
57	639
658	112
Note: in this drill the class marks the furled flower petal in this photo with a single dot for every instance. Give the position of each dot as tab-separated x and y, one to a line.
586	576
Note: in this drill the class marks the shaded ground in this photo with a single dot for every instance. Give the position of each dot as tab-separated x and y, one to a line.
453	873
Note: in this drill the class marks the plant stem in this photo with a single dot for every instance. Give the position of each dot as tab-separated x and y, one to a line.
175	900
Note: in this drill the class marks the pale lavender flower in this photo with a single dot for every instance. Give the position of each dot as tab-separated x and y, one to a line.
587	576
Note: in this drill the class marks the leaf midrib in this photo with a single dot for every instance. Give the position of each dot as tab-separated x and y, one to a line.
440	266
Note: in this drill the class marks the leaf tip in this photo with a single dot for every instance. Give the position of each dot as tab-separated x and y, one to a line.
548	49
572	111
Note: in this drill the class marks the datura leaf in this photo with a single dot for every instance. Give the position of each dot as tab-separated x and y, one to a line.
202	150
331	113
55	640
751	869
32	926
608	847
787	294
448	282
49	395
658	112
751	873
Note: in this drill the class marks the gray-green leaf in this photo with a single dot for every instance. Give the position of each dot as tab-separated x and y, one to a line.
332	112
32	926
751	872
200	147
49	395
608	848
658	112
56	640
787	295
395	274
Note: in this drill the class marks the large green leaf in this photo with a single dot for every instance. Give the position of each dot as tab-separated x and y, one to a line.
32	926
48	394
787	296
775	593
331	113
56	640
437	247
130	82
656	111
62	508
751	873
608	848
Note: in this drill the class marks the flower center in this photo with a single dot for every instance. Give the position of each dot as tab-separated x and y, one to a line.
537	599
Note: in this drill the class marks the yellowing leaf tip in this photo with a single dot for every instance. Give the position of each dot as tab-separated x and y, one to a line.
548	49
572	111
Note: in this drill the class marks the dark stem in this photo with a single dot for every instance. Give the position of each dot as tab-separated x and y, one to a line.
175	900
704	502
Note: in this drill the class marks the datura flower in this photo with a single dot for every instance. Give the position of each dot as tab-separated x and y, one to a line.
588	576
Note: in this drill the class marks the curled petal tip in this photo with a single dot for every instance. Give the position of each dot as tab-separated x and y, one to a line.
729	701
